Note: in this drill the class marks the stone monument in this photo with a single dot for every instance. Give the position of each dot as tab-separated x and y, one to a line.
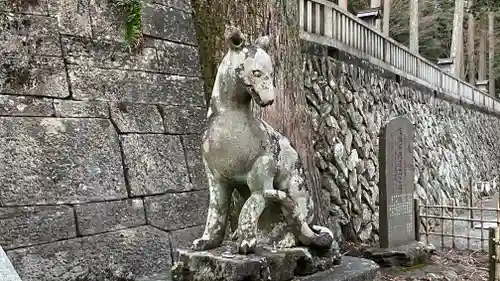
258	192
7	271
397	229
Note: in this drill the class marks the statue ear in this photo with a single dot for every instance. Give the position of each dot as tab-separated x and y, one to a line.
263	42
234	38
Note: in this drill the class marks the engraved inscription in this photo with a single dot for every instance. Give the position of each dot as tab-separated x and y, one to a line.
397	217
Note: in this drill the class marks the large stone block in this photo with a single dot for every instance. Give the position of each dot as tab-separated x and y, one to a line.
177	210
183	238
25	226
108	22
155	164
184	5
37	7
25	106
107	216
142	251
73	16
54	160
183	119
36	35
78	109
136	118
134	86
192	145
33	76
167	23
177	58
107	54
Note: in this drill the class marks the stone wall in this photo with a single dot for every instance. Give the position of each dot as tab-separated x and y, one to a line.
98	166
350	100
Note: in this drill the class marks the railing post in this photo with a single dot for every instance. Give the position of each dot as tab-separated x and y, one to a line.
328	21
492	253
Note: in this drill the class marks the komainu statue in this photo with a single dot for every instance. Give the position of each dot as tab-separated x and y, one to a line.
243	152
256	180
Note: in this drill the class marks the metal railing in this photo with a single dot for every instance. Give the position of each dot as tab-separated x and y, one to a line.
461	227
324	22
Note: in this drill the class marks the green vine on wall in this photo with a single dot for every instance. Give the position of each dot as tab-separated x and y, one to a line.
133	26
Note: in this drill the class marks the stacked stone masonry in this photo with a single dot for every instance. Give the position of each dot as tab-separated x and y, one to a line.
98	166
350	100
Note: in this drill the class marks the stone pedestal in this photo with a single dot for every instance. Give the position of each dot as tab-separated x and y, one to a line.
280	265
407	255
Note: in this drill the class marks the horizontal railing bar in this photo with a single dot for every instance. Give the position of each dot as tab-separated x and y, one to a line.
458	219
453	236
457	207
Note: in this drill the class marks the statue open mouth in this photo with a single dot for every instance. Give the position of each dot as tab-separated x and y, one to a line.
256	97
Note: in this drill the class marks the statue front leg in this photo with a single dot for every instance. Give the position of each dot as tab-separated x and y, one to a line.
260	179
218	211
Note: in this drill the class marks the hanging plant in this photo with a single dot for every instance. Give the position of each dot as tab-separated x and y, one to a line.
133	26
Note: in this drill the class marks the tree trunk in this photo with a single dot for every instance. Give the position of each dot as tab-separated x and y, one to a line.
343	4
280	20
470	44
378	22
386	17
414	26
491	53
456	40
482	48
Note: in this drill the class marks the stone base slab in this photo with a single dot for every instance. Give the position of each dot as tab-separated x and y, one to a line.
221	264
407	255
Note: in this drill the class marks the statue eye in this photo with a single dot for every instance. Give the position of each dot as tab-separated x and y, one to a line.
257	73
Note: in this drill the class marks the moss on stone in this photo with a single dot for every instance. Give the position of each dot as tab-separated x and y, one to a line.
133	25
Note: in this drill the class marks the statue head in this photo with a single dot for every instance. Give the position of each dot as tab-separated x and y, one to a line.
254	70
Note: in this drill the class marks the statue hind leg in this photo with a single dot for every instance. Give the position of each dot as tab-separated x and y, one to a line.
218	212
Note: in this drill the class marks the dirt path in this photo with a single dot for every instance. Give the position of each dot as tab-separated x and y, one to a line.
449	265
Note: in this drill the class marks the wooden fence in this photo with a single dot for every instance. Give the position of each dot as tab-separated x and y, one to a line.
324	22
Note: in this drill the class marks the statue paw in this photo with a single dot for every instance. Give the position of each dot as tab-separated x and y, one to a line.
247	246
203	244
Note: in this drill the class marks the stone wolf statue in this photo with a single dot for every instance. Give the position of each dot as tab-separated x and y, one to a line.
243	152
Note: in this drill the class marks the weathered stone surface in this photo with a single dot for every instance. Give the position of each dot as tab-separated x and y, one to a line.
7	270
136	118
107	20
351	269
39	7
36	35
184	5
177	58
183	238
264	265
25	106
107	216
396	187
72	15
165	211
33	76
167	23
54	160
183	119
192	146
108	54
25	226
155	164
138	252
69	108
407	255
134	86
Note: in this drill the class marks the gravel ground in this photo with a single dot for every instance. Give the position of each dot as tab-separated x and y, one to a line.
447	265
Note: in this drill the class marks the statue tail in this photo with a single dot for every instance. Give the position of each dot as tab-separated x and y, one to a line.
315	236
